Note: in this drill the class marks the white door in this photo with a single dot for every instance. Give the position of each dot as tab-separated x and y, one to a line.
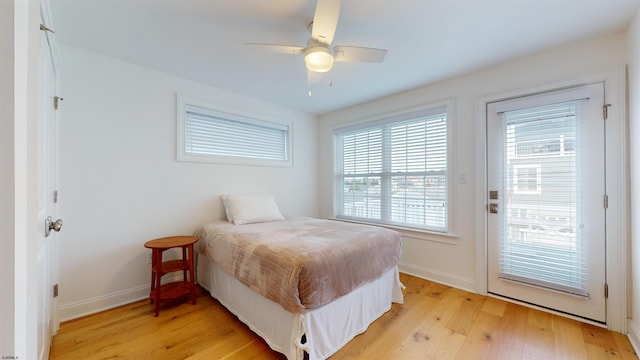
47	246
546	195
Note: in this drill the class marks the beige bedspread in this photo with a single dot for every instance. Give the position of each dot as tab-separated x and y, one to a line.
301	263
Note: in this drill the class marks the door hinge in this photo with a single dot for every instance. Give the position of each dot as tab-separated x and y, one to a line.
606	201
55	196
56	102
606	291
44	28
55	290
605	111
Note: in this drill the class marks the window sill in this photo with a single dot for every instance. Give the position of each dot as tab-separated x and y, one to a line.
424	235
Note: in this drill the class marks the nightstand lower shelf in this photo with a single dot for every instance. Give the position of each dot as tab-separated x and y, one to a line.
172	290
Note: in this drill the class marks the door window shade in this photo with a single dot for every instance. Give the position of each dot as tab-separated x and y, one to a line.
540	233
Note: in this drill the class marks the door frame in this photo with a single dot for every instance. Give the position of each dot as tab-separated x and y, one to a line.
617	187
26	225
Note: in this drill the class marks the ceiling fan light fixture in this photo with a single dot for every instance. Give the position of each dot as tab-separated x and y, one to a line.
318	59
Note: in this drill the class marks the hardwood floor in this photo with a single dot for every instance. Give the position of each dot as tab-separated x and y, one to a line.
435	322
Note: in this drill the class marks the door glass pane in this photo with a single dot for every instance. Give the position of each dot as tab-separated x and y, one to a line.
540	225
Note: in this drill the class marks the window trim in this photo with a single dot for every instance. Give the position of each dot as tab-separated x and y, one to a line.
234	113
516	179
449	106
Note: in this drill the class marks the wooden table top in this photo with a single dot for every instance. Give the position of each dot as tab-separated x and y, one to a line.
170	242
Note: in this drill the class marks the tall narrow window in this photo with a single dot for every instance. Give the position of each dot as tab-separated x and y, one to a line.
208	135
395	171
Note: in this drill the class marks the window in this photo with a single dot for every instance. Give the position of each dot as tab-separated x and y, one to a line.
527	179
231	136
559	146
540	151
395	171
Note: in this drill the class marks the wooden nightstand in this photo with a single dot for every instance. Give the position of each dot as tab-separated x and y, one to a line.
159	268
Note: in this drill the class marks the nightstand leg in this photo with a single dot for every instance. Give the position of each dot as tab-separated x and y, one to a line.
157	259
184	257
191	277
153	276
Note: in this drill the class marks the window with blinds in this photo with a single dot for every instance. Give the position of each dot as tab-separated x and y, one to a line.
208	135
395	171
540	233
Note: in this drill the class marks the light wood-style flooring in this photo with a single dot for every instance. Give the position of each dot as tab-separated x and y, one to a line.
435	322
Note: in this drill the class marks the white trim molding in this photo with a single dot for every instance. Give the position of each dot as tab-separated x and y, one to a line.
109	301
97	304
437	276
634	336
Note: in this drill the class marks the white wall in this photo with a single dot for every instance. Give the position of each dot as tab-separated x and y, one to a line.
121	184
633	41
453	260
7	196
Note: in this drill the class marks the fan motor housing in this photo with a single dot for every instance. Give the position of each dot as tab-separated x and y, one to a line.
318	58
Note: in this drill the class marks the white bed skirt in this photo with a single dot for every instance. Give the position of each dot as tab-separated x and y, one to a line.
327	328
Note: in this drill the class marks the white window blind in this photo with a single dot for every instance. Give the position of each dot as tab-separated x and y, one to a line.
540	231
233	137
394	171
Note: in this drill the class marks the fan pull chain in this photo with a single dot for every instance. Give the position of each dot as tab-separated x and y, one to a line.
309	82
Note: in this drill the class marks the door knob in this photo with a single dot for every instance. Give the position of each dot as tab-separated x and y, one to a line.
49	225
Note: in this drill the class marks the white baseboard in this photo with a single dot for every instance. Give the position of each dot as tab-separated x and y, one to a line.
634	335
101	303
438	276
108	301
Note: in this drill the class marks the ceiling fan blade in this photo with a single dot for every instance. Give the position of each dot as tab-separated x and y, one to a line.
325	21
358	54
280	49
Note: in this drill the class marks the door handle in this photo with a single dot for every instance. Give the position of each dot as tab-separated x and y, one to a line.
493	208
49	225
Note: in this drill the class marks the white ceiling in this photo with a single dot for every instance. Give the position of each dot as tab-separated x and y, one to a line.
427	40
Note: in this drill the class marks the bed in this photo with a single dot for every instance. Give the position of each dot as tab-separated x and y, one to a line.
304	285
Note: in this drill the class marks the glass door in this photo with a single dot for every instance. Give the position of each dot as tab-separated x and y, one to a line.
546	227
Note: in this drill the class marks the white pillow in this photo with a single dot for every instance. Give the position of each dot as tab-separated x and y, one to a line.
227	208
247	209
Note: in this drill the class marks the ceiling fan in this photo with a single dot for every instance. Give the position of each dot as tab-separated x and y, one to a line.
319	54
